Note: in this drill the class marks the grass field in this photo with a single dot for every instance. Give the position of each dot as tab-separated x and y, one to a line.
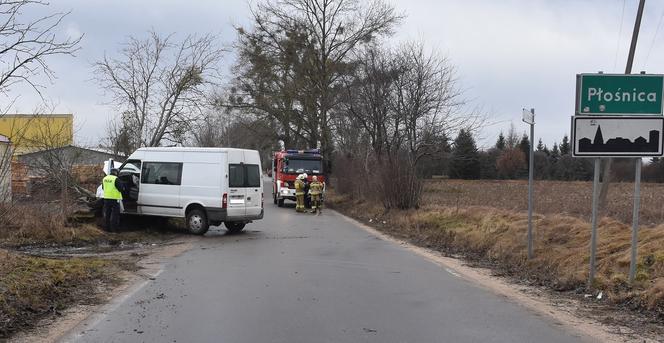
551	197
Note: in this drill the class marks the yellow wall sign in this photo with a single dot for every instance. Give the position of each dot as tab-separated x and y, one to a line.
30	132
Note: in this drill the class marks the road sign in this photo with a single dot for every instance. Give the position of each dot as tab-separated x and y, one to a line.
626	136
528	116
619	94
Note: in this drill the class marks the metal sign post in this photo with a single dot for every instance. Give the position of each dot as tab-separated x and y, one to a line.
593	233
617	136
635	220
529	118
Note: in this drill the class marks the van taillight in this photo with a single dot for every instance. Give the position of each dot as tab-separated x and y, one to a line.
262	199
224	201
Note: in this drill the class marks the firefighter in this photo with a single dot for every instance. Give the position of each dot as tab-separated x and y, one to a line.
299	193
315	190
112	199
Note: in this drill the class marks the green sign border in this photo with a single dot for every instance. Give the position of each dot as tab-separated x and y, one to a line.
579	84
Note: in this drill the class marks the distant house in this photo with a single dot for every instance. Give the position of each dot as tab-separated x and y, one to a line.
5	169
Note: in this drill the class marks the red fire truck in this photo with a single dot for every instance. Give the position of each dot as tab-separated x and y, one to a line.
287	165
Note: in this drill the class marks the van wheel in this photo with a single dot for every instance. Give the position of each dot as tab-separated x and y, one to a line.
280	203
197	222
234	227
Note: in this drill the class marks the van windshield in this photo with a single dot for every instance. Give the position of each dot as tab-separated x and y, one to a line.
303	166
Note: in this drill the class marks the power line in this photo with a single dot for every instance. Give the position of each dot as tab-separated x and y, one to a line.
652	45
622	18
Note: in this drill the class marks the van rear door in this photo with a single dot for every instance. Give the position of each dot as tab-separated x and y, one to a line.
253	190
236	182
254	184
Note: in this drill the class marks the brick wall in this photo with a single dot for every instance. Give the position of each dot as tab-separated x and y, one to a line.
88	176
20	179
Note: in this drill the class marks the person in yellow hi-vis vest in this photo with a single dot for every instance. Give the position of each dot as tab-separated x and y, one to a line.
315	190
299	193
112	197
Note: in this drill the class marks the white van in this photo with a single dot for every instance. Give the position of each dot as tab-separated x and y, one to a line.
206	186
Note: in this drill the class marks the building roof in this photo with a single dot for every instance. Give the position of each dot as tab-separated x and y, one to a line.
66	147
37	115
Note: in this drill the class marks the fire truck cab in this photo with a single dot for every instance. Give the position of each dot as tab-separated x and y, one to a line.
287	165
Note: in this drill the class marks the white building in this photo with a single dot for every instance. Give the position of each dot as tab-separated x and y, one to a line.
5	169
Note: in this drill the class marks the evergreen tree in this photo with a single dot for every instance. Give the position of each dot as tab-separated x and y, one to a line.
564	146
465	163
500	144
540	146
524	146
555	153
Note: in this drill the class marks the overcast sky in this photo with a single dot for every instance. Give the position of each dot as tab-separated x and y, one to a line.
509	54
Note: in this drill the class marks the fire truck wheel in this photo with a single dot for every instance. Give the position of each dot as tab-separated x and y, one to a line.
274	198
280	202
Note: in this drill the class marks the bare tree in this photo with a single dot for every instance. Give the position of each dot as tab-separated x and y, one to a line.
317	38
27	43
160	86
405	103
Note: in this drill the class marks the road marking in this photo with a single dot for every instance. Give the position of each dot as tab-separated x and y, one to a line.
453	272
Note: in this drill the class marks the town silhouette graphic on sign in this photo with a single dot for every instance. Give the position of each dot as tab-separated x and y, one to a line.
619	144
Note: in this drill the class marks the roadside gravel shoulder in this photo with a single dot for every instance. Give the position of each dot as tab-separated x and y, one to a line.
148	262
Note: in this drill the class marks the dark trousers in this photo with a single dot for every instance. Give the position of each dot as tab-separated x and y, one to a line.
111	214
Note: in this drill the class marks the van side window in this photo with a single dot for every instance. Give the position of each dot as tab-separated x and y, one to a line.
244	175
235	175
162	173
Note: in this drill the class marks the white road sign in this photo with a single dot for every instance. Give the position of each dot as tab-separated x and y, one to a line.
633	136
528	116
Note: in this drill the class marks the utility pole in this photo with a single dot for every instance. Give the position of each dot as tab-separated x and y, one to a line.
637	172
635	37
606	175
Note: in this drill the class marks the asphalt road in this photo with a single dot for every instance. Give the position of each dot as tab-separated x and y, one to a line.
301	278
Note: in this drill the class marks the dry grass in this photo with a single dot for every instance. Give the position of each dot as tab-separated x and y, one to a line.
40	224
43	223
497	236
34	287
551	197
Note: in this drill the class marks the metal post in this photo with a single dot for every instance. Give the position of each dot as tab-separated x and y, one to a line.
530	186
635	219
593	234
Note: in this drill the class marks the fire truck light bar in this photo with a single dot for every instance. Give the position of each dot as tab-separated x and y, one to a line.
311	151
